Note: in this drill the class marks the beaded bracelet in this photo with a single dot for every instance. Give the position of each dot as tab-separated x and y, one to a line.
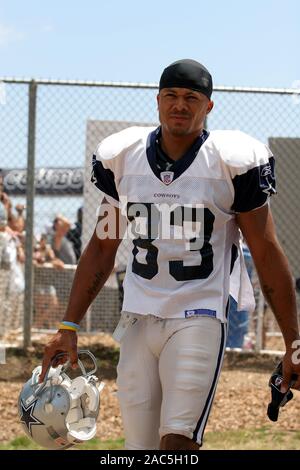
68	325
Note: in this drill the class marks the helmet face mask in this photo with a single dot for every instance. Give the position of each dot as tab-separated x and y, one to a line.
61	411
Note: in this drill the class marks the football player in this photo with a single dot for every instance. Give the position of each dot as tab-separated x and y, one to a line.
186	194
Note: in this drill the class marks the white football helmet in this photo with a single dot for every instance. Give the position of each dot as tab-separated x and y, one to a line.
61	411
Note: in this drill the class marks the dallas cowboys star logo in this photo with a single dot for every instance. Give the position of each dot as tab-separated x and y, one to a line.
269	190
28	417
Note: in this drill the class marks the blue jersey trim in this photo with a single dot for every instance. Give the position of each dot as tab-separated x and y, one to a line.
253	188
196	312
104	179
180	165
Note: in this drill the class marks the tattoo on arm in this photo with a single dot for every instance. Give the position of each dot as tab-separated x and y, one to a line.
268	290
96	284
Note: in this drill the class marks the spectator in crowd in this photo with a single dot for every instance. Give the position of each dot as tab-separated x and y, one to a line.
46	302
43	253
4	199
17	222
62	247
11	275
74	234
3	236
9	240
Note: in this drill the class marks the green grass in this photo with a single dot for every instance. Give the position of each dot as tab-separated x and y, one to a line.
24	443
265	438
96	444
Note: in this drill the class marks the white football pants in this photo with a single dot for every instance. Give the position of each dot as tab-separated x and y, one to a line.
167	377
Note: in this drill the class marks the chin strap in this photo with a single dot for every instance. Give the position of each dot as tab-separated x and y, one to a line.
278	399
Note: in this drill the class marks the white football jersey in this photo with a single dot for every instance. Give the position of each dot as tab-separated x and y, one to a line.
183	232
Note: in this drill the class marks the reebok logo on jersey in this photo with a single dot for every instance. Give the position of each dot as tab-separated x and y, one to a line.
266	171
200	311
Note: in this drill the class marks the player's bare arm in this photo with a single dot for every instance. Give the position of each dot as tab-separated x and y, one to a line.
94	267
275	279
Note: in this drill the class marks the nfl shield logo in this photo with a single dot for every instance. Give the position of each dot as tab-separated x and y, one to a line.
167	177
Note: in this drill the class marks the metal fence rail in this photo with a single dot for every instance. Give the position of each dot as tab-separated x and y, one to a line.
48	125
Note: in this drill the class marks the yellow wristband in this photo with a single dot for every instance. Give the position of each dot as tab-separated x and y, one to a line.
67	327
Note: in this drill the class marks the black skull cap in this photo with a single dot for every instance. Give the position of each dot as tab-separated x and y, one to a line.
187	73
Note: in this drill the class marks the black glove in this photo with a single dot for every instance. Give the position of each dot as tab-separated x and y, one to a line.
278	398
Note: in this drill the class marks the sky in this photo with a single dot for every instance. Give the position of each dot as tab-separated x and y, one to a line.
243	43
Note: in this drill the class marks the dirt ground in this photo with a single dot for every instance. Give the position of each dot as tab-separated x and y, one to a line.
240	403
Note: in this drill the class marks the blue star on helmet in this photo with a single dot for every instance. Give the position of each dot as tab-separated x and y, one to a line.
28	417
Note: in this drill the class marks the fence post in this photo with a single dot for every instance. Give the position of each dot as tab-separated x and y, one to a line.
30	190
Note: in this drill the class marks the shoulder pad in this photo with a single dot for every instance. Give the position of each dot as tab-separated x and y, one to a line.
239	150
115	144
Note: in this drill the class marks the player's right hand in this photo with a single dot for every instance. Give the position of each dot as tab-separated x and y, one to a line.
64	341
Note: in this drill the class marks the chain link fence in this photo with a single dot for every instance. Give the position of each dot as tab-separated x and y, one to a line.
48	132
